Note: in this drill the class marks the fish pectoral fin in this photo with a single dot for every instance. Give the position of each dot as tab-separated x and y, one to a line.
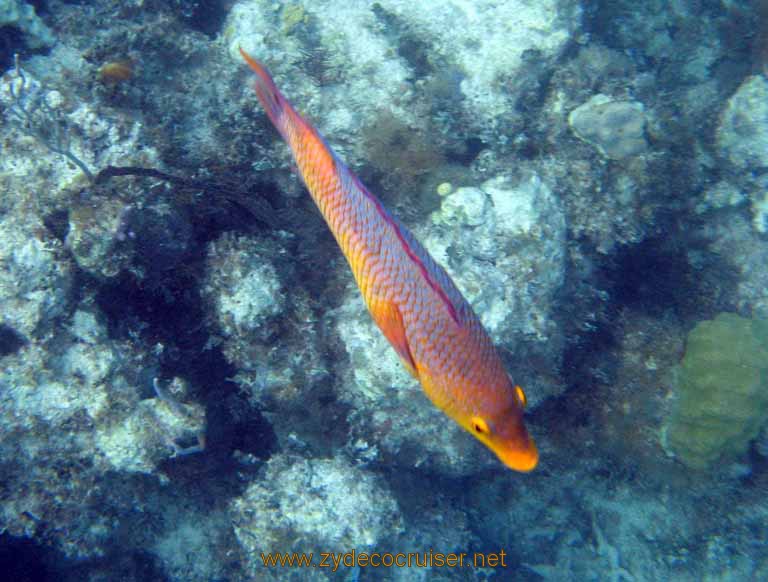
389	319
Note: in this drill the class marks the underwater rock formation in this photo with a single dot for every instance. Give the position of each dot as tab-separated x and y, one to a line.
503	242
22	16
156	430
243	286
367	57
36	279
743	132
268	332
321	505
742	137
74	405
615	128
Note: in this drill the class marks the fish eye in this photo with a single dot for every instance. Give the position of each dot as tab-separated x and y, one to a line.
479	425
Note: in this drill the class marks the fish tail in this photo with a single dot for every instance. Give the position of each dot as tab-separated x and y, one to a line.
312	154
275	105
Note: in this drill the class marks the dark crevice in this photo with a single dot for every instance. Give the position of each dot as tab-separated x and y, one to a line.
201	15
11	42
57	224
11	341
652	276
23	560
587	352
473	146
40	6
656	277
164	308
120	563
410	47
172	315
415	52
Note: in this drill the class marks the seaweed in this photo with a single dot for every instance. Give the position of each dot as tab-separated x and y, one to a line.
36	118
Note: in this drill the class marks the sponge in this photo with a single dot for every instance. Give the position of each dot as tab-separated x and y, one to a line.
722	388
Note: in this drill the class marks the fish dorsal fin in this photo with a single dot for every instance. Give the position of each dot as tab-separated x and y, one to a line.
434	275
388	317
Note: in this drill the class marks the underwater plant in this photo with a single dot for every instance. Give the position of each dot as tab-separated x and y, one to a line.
36	118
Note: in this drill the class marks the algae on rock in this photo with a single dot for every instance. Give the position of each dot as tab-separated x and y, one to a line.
723	391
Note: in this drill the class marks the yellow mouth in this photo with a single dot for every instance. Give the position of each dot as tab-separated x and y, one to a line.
520	460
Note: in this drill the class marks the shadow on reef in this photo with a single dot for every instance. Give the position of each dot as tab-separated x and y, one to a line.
171	314
131	565
23	560
10	341
658	277
667	281
207	16
653	276
10	41
13	41
164	309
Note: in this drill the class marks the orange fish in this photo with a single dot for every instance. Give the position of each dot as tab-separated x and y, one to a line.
411	298
116	71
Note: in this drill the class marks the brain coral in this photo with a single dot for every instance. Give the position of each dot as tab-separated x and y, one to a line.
722	391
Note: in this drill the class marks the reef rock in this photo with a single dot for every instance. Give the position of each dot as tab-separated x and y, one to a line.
367	54
320	505
615	128
742	135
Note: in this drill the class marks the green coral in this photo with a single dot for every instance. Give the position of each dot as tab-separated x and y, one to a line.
723	391
293	16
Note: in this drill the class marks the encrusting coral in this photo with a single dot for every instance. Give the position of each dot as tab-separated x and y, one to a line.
723	391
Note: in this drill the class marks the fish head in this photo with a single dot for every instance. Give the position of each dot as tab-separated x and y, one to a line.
501	429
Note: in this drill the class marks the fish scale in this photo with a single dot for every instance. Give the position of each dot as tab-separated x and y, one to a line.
411	298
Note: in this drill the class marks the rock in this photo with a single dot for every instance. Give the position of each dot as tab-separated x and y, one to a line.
320	505
742	135
615	128
23	17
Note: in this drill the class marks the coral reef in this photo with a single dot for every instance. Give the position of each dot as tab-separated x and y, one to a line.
365	58
36	281
742	138
321	506
243	286
251	315
613	127
723	391
742	135
141	440
72	405
22	15
188	377
83	137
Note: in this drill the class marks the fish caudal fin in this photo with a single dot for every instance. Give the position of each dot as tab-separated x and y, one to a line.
269	95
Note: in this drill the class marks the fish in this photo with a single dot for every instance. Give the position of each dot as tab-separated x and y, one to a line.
114	72
411	298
